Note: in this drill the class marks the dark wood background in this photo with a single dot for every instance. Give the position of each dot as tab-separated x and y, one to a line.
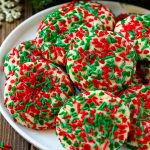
7	134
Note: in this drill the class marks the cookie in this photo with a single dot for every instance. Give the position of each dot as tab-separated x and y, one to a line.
136	29
56	52
138	101
53	35
54	48
34	93
102	12
24	52
105	61
93	120
75	13
49	31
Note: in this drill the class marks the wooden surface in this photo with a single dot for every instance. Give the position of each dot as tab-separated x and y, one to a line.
7	134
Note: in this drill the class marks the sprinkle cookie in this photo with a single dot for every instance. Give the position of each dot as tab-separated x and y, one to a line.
75	13
93	120
54	44
101	12
56	52
24	52
105	61
136	29
138	101
34	93
49	32
54	32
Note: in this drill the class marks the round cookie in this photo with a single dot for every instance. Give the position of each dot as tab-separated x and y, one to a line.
54	32
24	52
138	100
54	45
104	61
34	93
136	29
93	120
50	31
102	12
75	13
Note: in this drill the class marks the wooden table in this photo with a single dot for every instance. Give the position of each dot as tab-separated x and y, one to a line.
7	134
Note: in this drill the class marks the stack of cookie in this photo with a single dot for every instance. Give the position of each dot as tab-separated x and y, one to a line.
86	76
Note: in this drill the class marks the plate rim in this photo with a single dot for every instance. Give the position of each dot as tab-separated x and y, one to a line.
5	113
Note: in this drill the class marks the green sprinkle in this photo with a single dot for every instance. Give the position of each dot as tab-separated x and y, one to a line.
14	115
101	107
111	75
101	93
92	56
146	24
108	57
87	129
90	96
146	40
90	85
110	39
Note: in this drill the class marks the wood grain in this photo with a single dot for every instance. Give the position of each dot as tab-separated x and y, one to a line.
8	27
7	134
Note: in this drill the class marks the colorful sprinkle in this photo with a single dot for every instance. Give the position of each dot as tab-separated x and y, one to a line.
34	98
136	29
93	125
106	61
138	100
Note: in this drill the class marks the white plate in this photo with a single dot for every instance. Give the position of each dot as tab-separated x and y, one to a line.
45	140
